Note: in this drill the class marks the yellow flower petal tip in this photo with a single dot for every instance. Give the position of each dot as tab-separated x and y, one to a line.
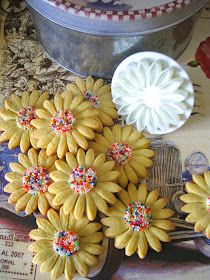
138	220
65	246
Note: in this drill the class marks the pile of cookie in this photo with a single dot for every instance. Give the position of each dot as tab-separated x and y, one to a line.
77	162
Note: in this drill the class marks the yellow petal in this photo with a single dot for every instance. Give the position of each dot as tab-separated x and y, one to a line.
43	204
33	157
207	231
144	153
132	245
101	140
116	131
89	158
124	197
40	257
160	203
40	101
142	245
72	221
94	249
80	266
15	139
81	157
89	83
153	241
89	113
86	105
88	229
122	239
10	105
126	131
40	123
50	161
6	125
195	216
49	263
85	131
76	101
13	176
53	145
33	98
109	186
112	176
105	119
193	188
69	269
97	85
39	234
58	268
41	131
190	197
116	229
100	203
99	160
46	225
43	114
143	161
25	142
123	179
64	219
142	193
71	160
22	202
49	106
62	146
163	224
54	219
42	158
98	149
132	177
152	197
32	205
25	99
16	167
95	237
109	197
193	207
138	168
59	176
207	179
6	135
163	213
81	85
160	234
40	245
79	207
91	209
58	102
13	186
24	161
134	136
67	101
70	202
133	193
108	135
63	166
141	144
81	223
80	139
200	181
7	114
87	258
202	223
60	197
45	140
72	145
91	123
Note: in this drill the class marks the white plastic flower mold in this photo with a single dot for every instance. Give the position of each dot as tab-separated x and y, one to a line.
152	92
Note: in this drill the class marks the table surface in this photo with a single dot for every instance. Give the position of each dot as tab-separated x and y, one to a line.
24	66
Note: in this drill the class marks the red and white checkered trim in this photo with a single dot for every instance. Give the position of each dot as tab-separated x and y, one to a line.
119	15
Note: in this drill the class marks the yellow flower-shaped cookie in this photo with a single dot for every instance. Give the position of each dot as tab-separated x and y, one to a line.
138	219
65	123
99	94
84	184
64	245
17	119
29	182
197	202
128	148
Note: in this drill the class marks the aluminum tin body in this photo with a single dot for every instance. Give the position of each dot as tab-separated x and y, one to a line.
95	53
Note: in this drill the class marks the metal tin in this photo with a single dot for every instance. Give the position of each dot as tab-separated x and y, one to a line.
93	37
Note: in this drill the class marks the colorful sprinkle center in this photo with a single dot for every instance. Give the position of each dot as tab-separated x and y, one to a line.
24	118
66	243
63	121
138	216
92	97
208	204
120	152
36	180
82	180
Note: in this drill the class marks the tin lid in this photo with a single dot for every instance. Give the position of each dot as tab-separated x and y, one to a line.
117	17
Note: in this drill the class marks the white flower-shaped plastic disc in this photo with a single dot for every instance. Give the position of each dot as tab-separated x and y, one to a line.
152	92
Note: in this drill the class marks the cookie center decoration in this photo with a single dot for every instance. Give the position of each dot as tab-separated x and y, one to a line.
120	152
208	204
82	180
36	180
138	216
92	97
66	243
63	121
24	118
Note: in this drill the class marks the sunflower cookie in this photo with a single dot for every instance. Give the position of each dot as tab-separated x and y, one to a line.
99	94
29	182
197	202
84	184
139	219
64	245
17	119
128	148
65	123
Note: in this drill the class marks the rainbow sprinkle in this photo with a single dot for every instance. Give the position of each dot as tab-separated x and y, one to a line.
120	152
138	216
24	118
66	243
36	180
82	180
63	121
208	203
92	97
